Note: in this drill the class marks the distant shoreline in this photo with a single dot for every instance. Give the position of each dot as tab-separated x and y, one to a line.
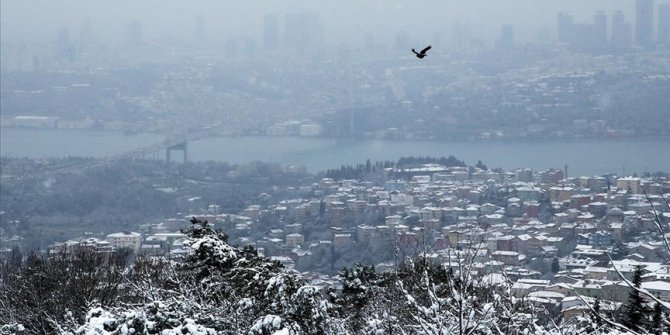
132	132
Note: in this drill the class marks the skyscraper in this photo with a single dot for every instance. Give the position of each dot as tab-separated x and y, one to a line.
65	50
565	24
506	40
584	37
664	23
644	20
622	35
600	21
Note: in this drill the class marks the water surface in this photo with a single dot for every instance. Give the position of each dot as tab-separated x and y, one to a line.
583	156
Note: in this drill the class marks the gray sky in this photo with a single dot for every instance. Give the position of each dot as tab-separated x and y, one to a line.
37	21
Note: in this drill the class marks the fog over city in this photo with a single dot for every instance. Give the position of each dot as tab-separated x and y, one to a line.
344	21
294	167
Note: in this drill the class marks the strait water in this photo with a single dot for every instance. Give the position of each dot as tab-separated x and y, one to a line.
583	156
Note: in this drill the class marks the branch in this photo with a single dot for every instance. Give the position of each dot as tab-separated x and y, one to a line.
638	289
657	220
610	322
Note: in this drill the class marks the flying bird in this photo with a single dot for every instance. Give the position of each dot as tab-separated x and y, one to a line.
422	53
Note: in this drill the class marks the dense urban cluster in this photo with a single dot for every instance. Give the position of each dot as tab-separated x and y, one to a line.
223	289
455	99
593	80
559	242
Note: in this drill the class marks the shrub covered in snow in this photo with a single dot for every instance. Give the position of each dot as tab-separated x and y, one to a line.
224	289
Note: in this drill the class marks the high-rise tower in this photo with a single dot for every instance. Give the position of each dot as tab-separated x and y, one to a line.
664	23
65	50
506	40
622	34
600	33
644	21
565	25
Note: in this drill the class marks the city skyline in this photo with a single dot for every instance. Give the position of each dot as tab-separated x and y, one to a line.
342	22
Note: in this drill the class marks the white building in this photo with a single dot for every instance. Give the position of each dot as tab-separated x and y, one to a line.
631	183
126	239
34	121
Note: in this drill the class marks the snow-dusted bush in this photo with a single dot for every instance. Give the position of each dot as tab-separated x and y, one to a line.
224	289
154	318
38	294
11	329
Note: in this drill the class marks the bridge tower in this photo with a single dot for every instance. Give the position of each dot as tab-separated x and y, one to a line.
180	147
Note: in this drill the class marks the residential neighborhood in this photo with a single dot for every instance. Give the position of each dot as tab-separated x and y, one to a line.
555	240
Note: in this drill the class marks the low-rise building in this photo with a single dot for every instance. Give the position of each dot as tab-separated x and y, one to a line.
125	239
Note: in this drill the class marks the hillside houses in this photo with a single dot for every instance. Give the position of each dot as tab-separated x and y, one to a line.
550	237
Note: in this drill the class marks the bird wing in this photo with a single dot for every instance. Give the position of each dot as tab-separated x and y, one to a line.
426	49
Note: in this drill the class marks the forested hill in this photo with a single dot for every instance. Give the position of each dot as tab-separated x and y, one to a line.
120	195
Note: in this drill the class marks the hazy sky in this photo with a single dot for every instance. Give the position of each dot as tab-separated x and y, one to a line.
37	21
